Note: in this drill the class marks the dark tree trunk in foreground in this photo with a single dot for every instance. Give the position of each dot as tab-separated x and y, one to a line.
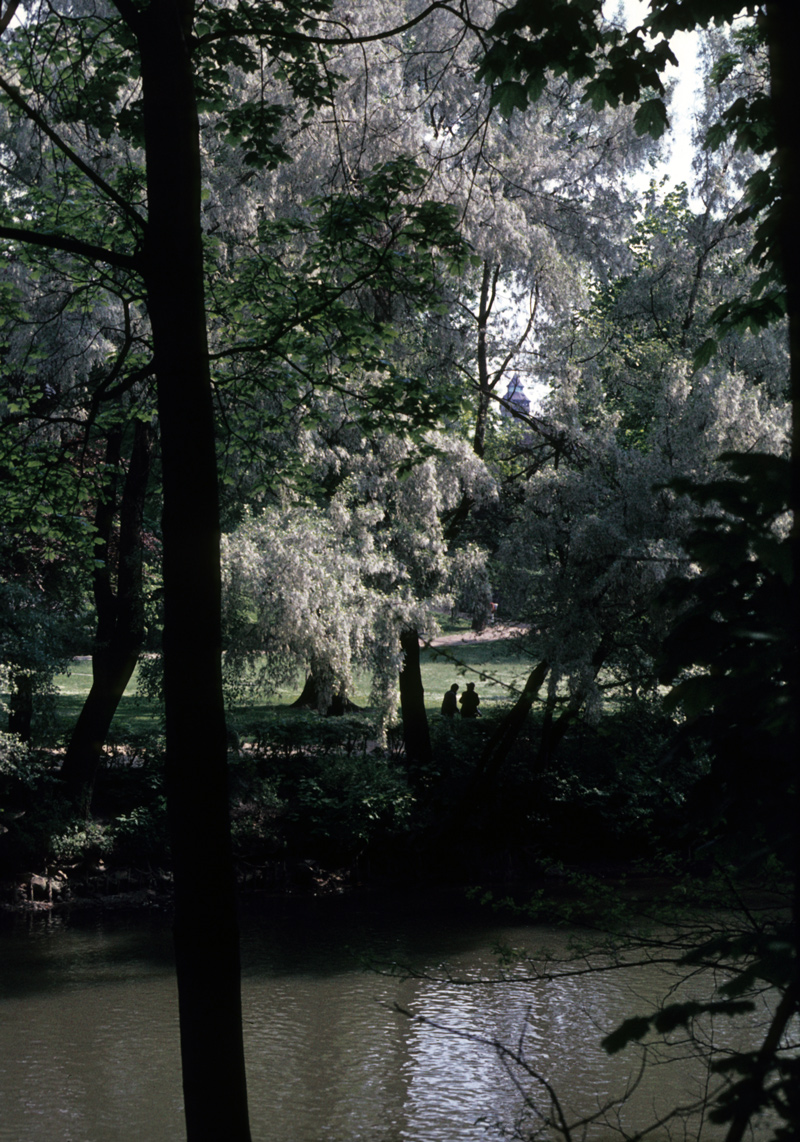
783	30
206	926
120	614
416	733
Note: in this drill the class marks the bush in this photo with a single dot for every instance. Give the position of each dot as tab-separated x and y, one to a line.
81	842
18	763
614	790
344	806
142	835
305	785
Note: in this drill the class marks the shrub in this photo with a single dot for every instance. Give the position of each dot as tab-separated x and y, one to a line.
307	785
348	803
81	842
142	835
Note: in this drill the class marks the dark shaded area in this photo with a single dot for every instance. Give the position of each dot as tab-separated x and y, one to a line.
416	734
119	601
319	805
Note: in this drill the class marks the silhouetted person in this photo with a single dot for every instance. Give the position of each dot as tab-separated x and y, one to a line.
469	702
449	702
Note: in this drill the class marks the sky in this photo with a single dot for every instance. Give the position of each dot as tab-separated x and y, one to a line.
679	164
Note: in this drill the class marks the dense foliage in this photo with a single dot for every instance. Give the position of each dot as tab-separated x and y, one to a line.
256	323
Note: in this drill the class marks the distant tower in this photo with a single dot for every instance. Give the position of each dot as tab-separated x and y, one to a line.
515	396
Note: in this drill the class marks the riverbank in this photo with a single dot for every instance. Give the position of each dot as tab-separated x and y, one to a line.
149	890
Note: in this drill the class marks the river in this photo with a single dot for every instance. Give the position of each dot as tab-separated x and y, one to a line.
336	1052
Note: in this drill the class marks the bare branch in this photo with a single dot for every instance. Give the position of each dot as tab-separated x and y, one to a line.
7	16
69	245
523	337
350	38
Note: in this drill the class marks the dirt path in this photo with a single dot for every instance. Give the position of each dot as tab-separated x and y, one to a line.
491	633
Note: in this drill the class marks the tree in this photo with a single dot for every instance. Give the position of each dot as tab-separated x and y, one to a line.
111	182
296	599
533	38
76	67
33	641
321	589
536	197
78	407
50	474
345	280
589	533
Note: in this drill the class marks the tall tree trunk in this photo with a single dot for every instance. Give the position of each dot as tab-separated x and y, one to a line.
206	931
502	740
485	384
120	614
308	698
416	733
783	30
554	729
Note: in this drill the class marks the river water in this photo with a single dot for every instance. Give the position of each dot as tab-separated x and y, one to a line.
336	1052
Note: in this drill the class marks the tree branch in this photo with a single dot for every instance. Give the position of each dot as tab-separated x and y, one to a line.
389	32
7	16
17	98
750	1100
512	352
70	246
339	41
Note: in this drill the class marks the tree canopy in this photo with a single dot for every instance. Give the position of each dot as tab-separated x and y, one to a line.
266	270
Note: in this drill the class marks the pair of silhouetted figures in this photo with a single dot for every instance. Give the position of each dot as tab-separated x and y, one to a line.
469	702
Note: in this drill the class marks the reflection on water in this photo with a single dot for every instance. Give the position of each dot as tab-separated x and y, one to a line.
89	1048
87	1045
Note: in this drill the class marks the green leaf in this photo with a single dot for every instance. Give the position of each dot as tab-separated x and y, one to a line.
651	118
705	353
509	97
668	1019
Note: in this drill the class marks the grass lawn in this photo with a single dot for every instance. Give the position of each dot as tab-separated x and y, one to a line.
497	667
134	715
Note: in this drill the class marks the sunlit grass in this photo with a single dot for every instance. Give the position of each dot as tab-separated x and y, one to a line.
135	714
498	668
78	680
